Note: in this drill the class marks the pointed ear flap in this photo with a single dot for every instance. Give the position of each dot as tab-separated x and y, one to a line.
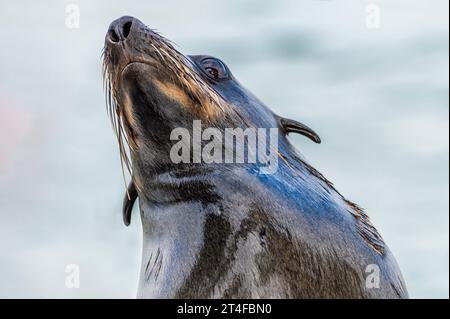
128	202
291	126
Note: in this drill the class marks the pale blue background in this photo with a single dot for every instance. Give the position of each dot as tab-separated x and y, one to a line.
379	99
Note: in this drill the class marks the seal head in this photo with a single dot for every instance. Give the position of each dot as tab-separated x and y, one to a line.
153	89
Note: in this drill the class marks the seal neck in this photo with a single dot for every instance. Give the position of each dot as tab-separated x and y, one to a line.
188	183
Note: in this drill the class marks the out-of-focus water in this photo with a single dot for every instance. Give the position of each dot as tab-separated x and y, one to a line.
378	97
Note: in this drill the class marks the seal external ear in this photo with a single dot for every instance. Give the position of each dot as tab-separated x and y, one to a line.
291	126
128	202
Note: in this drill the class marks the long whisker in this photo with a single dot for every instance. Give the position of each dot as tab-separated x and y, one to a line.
115	115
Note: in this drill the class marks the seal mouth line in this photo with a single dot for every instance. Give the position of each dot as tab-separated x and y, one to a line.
138	61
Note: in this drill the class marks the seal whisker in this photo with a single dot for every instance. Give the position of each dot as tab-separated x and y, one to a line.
157	51
115	115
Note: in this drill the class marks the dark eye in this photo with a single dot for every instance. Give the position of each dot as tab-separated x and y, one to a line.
215	69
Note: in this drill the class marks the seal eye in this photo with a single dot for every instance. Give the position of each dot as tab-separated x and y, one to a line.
215	69
213	72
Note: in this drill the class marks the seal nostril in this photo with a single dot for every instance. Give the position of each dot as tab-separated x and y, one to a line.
113	36
126	29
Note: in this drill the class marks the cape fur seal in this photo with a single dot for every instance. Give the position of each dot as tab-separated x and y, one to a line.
227	231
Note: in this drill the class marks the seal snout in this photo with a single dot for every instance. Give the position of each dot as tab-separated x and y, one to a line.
120	29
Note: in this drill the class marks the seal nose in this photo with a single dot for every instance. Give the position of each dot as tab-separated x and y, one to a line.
120	29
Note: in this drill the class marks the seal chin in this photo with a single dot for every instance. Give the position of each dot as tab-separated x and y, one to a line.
138	76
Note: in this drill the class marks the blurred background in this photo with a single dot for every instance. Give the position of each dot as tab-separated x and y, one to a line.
370	76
